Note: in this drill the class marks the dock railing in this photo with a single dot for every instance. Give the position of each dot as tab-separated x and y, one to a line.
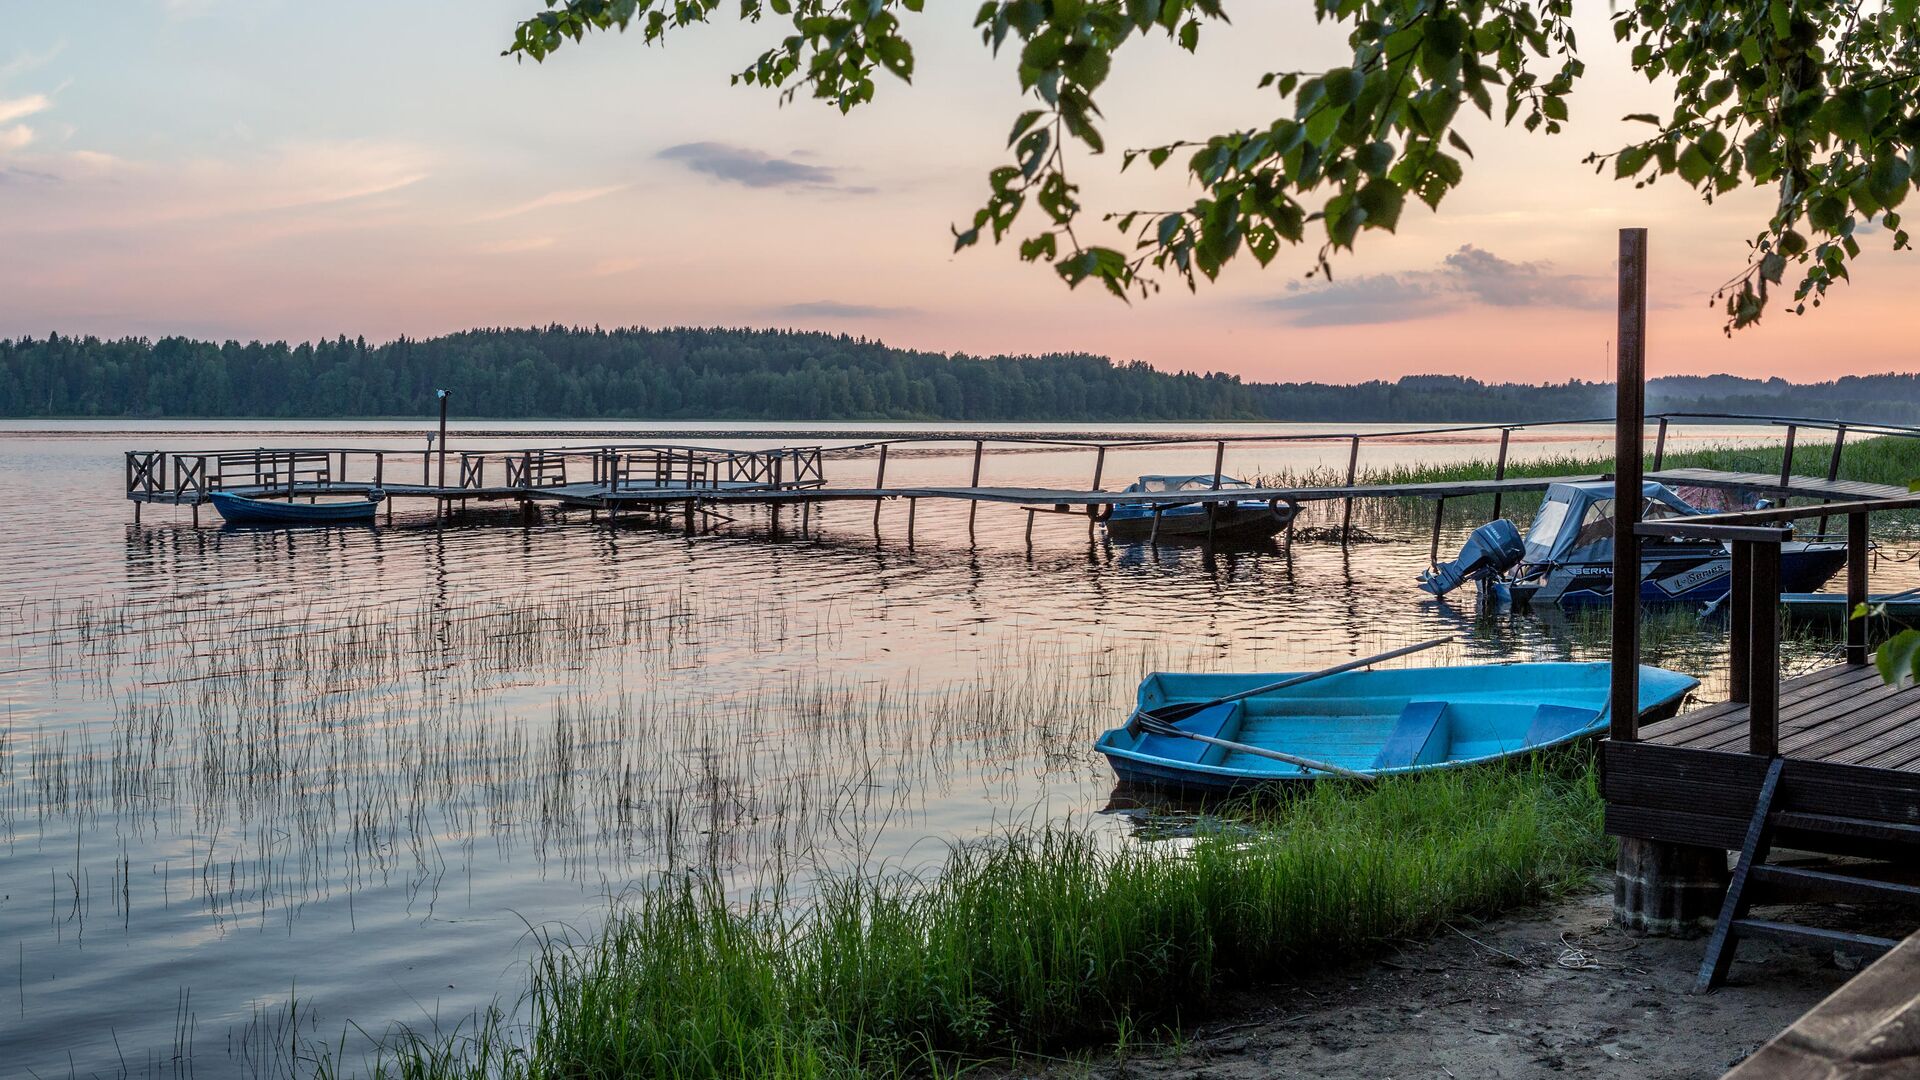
1755	538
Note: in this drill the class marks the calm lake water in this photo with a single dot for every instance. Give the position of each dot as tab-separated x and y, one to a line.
351	769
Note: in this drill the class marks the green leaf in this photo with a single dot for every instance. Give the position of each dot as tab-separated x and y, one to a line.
1897	657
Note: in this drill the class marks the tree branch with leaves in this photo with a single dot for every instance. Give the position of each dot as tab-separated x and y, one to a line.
1808	97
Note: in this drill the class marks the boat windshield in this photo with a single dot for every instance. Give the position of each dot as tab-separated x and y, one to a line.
1187	483
1576	521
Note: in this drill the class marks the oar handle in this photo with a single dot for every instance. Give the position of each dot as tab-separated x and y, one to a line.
1157	728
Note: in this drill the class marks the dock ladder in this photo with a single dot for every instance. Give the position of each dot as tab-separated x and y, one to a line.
1808	882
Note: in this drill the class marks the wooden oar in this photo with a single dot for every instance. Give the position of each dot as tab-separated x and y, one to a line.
1170	714
1157	727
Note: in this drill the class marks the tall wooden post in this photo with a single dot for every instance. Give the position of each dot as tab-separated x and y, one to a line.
1629	435
1346	513
1658	887
1500	467
1763	699
973	505
880	484
443	437
1856	587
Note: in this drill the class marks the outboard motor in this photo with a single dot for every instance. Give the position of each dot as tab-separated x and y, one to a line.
1493	549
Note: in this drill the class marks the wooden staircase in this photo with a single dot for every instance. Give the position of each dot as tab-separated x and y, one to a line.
1826	884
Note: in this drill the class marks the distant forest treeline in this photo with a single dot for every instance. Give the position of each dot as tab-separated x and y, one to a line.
720	374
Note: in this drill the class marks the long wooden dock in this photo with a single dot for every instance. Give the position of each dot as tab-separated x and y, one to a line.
655	477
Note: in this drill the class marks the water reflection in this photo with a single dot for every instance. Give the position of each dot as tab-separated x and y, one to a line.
361	760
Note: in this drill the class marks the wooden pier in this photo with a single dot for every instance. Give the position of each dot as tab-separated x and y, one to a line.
660	478
1825	764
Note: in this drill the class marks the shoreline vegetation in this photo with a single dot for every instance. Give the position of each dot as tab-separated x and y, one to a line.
704	373
1038	942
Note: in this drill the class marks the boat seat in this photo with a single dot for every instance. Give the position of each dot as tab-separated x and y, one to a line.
1419	737
1210	722
1551	723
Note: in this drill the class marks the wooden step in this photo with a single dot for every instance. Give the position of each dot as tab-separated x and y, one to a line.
1812	935
1847	826
1832	885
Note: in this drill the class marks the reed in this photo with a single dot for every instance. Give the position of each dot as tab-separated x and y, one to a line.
1030	942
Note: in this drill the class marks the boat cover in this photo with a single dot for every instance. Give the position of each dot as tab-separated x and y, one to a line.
1575	522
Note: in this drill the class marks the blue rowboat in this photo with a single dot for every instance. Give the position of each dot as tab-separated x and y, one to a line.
1403	720
240	510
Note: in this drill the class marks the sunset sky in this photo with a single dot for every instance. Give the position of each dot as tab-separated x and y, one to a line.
273	169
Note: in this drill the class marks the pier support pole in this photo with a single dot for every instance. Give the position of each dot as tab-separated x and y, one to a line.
1500	468
1439	515
880	484
1030	532
136	513
1346	515
973	506
913	506
1629	437
1659	888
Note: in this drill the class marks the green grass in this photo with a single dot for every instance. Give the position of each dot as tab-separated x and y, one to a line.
1036	941
1881	460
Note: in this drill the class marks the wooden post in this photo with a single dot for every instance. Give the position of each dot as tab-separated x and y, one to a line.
1786	460
1346	516
973	505
1029	531
1439	511
1763	705
1856	587
1219	460
1153	534
1740	622
1833	467
1660	445
880	484
1500	468
443	436
913	505
1093	510
1629	436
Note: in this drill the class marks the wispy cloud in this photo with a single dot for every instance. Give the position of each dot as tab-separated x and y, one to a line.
1470	275
12	109
15	138
835	309
551	199
753	168
515	246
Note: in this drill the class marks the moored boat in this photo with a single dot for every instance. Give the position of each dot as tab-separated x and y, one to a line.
1832	609
1242	519
1381	723
241	510
1566	557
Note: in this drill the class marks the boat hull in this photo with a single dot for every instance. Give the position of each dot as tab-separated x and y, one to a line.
1831	609
1678	577
1401	721
1242	521
240	510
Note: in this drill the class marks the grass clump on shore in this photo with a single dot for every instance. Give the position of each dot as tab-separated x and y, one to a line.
1038	940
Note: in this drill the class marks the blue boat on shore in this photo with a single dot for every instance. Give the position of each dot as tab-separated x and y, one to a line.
1371	723
241	510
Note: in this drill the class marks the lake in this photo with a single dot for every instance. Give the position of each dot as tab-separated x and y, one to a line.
267	788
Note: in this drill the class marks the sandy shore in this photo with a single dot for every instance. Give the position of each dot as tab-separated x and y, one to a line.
1556	991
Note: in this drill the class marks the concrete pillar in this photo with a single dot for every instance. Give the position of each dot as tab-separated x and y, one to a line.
1668	890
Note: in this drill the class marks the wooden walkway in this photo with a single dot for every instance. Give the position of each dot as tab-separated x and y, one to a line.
1851	746
1869	1029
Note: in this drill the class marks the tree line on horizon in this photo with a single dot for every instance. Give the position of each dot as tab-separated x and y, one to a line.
738	374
